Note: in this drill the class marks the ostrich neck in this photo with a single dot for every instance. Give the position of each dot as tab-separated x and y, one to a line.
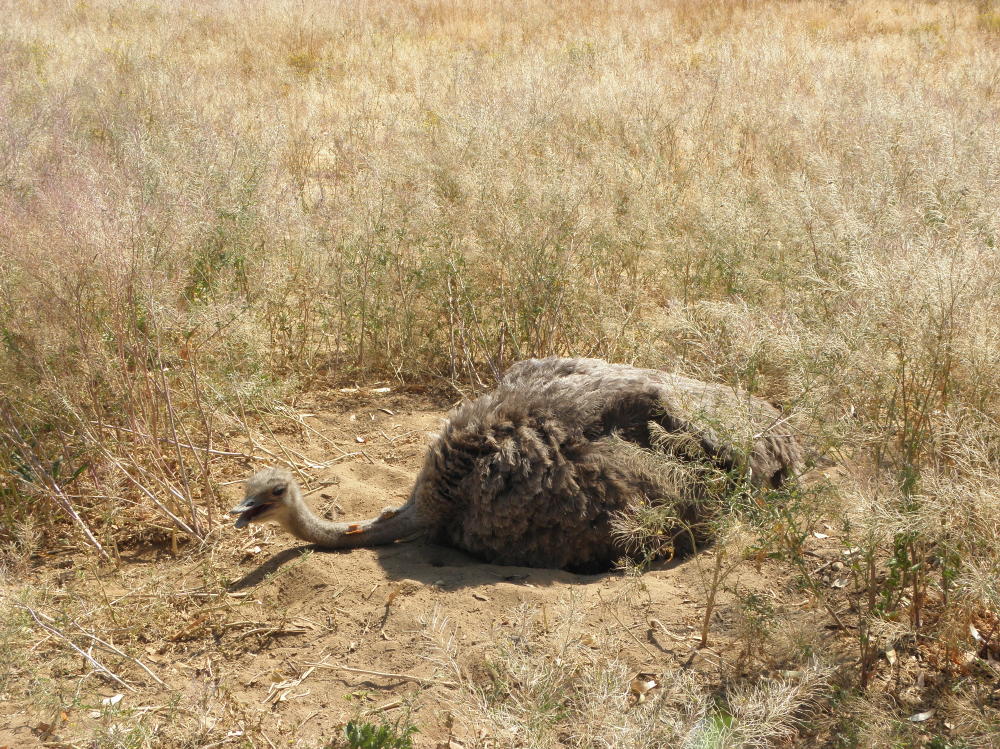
303	523
391	525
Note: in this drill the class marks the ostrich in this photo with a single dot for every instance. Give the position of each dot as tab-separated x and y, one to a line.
538	472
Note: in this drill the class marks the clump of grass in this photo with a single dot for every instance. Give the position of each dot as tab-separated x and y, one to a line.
549	682
988	16
686	495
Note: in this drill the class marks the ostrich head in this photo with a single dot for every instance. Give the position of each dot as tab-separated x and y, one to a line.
271	495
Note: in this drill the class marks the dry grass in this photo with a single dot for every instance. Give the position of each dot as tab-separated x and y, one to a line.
205	209
549	682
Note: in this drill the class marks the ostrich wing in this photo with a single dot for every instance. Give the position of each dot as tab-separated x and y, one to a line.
731	425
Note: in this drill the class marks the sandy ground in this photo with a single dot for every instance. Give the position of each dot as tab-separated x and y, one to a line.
235	631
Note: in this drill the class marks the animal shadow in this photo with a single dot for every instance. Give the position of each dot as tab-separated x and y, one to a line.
442	566
256	576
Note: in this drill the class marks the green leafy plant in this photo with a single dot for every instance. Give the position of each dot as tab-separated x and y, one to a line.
363	735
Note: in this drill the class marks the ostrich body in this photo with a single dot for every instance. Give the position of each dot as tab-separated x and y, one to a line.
534	473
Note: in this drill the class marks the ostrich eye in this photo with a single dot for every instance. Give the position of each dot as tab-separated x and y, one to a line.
278	491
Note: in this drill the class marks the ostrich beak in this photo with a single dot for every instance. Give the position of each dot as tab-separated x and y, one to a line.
248	509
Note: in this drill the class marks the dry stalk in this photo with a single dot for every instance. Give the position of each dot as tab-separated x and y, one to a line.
53	630
384	674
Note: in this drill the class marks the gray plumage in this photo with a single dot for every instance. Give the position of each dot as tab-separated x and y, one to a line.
535	472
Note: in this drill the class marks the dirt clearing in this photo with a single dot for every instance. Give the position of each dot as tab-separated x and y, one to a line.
257	639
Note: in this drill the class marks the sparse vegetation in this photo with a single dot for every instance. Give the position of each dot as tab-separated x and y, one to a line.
206	211
556	684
